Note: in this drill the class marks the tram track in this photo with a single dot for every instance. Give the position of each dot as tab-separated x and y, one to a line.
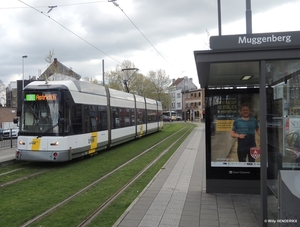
23	178
28	171
102	206
11	171
21	172
93	215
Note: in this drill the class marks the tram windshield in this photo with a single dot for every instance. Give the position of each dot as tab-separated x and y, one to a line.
40	113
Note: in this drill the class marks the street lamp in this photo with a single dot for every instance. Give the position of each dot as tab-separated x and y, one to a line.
184	80
25	56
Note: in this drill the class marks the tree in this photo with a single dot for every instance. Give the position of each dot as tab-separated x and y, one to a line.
140	84
48	57
155	85
160	87
114	79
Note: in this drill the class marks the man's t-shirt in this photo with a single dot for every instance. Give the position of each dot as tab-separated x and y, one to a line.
249	128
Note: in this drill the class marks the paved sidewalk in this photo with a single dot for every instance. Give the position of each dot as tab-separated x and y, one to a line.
177	196
7	155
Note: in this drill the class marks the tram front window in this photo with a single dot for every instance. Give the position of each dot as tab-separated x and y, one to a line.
40	113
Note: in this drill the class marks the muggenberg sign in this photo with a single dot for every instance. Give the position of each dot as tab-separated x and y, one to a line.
251	41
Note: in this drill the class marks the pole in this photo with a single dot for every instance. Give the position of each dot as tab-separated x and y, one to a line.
22	109
184	99
103	72
25	56
248	17
263	143
219	18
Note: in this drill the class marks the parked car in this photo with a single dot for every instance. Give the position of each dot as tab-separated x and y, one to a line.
11	133
178	118
167	118
292	140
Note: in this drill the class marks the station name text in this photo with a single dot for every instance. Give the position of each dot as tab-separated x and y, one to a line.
265	39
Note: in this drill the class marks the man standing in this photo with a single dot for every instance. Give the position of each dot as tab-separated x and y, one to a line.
244	129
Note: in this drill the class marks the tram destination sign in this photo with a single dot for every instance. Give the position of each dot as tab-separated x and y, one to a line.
259	40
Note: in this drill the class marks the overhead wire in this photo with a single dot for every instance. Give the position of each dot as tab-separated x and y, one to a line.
72	4
71	31
117	5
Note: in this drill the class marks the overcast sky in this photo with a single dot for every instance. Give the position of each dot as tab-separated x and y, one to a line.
153	34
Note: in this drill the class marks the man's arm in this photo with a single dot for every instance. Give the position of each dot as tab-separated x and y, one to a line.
258	131
233	134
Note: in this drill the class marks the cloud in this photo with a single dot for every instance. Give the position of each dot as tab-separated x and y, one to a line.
152	34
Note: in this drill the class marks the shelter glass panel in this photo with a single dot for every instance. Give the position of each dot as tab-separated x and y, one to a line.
283	115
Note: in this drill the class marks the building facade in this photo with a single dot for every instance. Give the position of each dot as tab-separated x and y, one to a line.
7	114
193	104
176	90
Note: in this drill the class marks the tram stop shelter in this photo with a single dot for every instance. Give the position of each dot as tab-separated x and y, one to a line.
262	70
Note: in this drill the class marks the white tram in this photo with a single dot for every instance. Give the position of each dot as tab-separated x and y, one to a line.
63	120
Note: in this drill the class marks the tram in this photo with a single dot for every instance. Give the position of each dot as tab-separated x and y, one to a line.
63	120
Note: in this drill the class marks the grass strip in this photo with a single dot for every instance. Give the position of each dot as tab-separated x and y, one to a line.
25	200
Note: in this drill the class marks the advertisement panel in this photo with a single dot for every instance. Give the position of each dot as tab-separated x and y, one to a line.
235	137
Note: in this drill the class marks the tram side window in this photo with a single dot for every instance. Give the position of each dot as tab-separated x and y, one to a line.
93	118
131	116
125	117
159	115
102	118
77	119
151	116
67	116
115	117
141	116
122	117
86	119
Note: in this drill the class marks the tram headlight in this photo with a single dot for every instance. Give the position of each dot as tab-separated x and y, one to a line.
55	143
21	142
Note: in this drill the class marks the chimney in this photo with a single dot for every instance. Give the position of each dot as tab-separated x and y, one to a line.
55	62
